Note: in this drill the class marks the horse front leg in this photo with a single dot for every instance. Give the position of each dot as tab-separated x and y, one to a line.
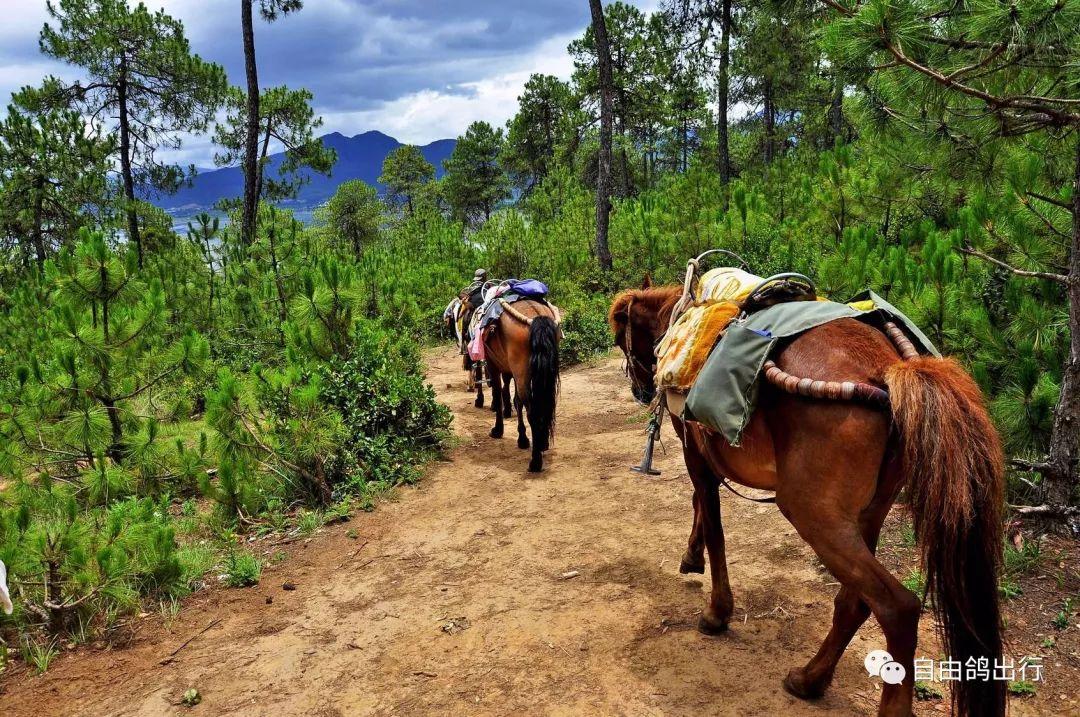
496	400
693	560
717	614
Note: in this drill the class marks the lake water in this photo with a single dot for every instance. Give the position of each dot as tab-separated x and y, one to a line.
180	221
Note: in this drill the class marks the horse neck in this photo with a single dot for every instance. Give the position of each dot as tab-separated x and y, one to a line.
660	303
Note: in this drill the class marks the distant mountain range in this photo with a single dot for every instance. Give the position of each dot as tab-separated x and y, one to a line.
359	157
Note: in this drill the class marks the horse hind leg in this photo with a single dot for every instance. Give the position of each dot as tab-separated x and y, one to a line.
850	611
496	400
523	436
842	548
508	407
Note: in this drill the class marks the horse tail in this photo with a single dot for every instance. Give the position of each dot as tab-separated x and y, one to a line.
955	466
542	388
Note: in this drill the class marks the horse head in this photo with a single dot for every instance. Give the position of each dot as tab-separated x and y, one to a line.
638	319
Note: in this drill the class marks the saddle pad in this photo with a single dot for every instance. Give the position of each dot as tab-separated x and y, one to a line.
725	394
687	345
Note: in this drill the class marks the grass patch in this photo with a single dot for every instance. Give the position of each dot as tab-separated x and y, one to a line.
915	582
39	655
927	691
242	570
1022	688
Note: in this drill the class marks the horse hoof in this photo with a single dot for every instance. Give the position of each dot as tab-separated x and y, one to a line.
686	567
795	685
523	442
709	626
536	465
496	432
479	403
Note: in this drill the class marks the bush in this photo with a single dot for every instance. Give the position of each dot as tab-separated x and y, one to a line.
76	565
391	417
242	569
585	329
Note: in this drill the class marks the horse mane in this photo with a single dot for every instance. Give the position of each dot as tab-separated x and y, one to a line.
659	301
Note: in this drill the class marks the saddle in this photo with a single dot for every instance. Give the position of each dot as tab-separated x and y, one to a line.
707	307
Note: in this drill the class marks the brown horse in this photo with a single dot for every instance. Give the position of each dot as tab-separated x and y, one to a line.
524	346
836	467
457	318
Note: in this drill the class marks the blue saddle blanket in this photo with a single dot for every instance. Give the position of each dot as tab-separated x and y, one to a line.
528	288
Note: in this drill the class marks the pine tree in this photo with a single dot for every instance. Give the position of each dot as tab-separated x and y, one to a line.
354	214
107	352
475	183
52	171
286	119
535	133
977	85
141	71
405	171
270	11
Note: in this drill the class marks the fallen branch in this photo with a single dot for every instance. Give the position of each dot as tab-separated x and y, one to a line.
172	655
1047	511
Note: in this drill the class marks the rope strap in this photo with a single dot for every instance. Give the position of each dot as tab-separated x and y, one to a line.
527	320
903	344
834	390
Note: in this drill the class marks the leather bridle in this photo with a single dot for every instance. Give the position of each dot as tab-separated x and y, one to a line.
632	364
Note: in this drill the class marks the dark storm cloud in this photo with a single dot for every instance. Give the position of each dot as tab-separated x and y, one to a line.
354	55
419	68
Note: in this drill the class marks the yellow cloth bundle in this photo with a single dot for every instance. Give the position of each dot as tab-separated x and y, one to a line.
726	284
689	342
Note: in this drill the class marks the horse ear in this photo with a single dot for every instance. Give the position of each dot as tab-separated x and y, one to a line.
646	283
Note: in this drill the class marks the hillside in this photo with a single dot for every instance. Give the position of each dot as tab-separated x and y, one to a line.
359	157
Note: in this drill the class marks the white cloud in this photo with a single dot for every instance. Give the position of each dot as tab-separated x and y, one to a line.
431	114
415	77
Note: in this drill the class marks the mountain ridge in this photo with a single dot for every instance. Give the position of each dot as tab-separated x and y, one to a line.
359	157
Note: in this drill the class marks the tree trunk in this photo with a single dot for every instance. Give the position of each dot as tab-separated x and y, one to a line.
251	143
1061	473
55	595
769	119
262	160
603	176
36	235
836	114
116	448
279	283
125	162
723	153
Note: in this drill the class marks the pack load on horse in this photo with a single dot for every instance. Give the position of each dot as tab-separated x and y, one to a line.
835	408
458	317
515	335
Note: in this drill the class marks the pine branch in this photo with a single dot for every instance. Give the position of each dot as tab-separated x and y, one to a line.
994	102
1049	276
1050	200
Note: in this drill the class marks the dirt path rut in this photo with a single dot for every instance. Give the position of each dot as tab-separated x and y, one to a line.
451	599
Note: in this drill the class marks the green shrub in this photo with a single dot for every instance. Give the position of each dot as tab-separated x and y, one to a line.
242	569
391	418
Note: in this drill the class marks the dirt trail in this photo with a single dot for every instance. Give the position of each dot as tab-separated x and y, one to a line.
482	544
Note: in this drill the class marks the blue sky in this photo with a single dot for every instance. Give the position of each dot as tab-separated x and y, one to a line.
418	70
